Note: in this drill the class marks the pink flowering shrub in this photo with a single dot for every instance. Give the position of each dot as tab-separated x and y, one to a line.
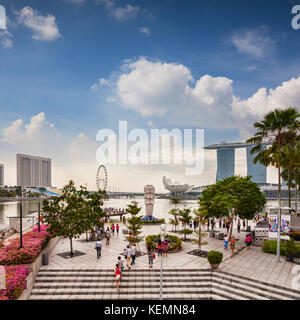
33	243
15	282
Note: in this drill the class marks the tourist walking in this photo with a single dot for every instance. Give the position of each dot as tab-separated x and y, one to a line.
151	256
133	253
239	226
117	275
107	236
159	248
128	256
244	224
226	242
220	223
117	228
212	224
98	248
120	263
113	229
98	234
227	226
165	248
232	245
248	241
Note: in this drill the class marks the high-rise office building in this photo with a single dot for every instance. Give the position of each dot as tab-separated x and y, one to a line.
226	160
257	171
1	175
33	171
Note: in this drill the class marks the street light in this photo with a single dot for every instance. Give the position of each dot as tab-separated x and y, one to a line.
21	226
162	238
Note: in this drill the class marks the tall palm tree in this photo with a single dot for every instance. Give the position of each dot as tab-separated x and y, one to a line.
289	159
272	129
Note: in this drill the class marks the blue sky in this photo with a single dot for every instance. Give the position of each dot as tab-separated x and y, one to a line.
54	53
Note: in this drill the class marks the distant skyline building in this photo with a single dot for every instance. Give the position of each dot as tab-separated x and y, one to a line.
1	175
33	171
257	171
226	161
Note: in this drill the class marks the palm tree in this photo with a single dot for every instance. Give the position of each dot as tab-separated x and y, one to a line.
272	130
289	159
174	212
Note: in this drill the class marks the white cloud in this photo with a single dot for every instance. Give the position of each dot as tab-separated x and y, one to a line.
168	90
121	13
6	39
44	27
256	43
101	83
145	31
36	134
164	89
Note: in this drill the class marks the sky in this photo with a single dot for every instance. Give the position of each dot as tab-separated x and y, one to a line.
69	68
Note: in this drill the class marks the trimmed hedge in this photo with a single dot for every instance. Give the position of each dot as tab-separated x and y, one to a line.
173	241
215	257
270	246
159	221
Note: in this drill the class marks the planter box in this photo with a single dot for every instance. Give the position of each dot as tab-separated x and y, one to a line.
35	267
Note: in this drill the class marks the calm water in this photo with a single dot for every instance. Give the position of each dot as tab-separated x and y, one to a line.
161	207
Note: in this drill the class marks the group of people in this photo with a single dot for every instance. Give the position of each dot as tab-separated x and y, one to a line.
231	242
130	255
114	210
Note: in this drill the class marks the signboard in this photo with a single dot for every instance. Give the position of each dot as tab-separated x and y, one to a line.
285	227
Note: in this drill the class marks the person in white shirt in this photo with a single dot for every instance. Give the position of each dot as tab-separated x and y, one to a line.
133	253
128	256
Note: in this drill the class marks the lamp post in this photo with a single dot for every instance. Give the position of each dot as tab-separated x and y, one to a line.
162	238
39	217
21	226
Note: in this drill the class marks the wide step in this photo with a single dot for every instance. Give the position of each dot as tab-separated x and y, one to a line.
91	284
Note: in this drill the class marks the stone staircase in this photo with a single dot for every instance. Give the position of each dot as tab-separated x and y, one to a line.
144	284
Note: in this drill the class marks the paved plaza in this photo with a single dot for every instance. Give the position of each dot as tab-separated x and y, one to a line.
253	263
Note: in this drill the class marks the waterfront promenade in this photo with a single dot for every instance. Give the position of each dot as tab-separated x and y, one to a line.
253	263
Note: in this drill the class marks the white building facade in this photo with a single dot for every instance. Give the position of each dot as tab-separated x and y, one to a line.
33	171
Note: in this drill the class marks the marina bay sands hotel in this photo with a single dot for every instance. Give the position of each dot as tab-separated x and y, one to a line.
226	161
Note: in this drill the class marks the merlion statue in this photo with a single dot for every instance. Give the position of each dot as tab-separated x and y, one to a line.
149	193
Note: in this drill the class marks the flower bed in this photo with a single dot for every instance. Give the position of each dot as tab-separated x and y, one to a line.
33	244
15	282
152	220
174	243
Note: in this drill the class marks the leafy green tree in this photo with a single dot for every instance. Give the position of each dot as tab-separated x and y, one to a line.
19	191
95	203
70	215
174	212
273	129
290	161
201	218
134	223
185	217
233	196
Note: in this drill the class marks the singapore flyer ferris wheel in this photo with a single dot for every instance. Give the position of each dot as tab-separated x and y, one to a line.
101	178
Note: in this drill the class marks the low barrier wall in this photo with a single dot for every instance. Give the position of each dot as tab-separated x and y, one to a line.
35	267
